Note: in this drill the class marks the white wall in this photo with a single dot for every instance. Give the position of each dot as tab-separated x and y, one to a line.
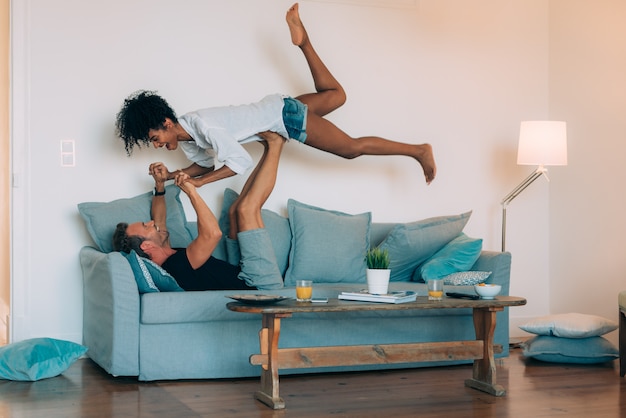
588	89
5	247
458	74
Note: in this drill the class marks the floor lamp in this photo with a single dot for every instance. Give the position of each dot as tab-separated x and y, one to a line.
541	143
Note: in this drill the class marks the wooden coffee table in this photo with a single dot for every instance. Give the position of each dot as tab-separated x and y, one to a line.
272	358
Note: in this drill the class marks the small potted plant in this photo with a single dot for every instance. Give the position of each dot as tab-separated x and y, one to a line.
378	271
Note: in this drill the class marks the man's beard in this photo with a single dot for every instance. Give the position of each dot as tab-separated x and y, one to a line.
165	236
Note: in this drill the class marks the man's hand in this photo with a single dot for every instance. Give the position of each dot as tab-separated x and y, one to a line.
159	172
195	182
270	136
185	183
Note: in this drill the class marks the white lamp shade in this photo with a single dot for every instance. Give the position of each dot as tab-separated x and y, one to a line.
542	143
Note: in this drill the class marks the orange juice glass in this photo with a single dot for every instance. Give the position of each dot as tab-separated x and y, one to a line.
304	290
435	289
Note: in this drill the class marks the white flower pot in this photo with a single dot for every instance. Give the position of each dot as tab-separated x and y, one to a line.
378	281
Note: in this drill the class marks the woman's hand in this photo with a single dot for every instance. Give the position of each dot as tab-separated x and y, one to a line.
185	182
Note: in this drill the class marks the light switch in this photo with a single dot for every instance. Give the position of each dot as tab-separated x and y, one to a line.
68	155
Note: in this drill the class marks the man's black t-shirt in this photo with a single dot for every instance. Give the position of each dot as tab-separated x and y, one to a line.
215	274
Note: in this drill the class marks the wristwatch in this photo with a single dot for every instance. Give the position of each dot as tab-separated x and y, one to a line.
159	193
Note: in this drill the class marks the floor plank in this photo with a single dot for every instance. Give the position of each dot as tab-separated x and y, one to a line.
533	389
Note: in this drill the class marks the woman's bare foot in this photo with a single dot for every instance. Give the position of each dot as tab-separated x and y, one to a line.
296	28
426	158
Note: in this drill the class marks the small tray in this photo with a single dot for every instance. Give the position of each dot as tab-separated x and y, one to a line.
258	299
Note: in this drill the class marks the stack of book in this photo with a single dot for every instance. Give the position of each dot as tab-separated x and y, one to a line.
393	297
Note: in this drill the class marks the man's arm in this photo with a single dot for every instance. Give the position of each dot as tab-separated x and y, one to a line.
209	233
159	210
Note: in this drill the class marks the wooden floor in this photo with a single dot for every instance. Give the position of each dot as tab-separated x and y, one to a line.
535	389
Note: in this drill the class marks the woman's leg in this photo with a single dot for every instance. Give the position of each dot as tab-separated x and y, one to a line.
324	135
329	93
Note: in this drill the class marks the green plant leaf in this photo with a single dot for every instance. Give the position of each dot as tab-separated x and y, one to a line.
375	258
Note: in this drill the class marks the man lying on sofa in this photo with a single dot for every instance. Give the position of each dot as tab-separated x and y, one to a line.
194	267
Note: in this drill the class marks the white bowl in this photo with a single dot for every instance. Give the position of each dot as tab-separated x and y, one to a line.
487	291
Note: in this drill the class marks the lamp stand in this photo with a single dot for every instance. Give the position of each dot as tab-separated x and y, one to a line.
541	170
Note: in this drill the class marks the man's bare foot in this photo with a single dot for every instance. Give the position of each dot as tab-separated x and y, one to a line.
296	28
426	158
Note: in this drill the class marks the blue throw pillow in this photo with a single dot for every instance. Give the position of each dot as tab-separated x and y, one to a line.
570	350
151	277
38	358
326	246
277	226
410	244
101	218
460	254
570	325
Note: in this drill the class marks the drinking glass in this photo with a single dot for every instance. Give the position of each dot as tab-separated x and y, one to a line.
304	290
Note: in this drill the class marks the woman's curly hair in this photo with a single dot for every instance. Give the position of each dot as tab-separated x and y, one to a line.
143	110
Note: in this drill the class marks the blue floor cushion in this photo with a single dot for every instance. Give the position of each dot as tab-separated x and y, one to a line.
570	350
38	358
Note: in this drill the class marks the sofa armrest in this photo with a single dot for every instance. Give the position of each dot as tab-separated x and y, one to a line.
499	264
110	312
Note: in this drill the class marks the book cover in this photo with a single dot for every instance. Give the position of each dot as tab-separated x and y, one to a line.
393	297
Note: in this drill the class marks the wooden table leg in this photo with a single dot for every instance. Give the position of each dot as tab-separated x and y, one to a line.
268	336
484	373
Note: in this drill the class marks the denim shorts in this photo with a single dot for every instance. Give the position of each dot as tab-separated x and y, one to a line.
294	118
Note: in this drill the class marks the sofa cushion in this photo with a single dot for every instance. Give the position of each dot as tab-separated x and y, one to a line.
570	350
326	245
570	325
277	226
460	254
101	218
150	277
379	231
38	358
409	244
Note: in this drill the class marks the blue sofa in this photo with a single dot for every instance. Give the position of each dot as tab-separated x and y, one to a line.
191	335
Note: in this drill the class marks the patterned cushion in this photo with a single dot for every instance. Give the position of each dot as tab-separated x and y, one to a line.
466	278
